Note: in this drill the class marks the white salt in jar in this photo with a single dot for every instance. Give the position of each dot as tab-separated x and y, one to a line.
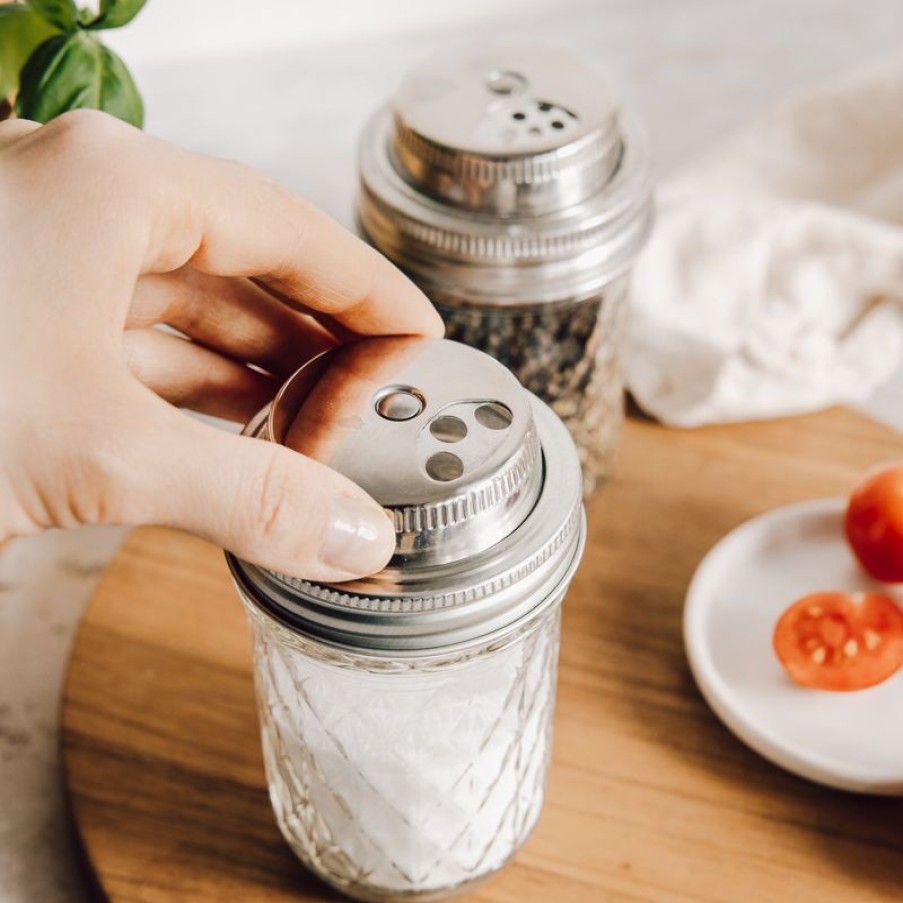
406	718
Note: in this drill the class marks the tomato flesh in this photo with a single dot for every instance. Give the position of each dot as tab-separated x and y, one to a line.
874	524
840	641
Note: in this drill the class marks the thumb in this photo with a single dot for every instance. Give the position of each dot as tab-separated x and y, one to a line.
264	502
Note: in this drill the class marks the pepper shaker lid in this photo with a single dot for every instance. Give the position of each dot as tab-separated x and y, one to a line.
504	176
507	130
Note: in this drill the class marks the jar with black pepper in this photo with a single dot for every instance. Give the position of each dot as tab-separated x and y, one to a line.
509	186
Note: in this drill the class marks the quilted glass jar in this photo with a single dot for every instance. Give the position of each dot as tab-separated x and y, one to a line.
406	777
406	718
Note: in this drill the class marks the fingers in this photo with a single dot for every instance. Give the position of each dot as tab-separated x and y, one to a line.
190	376
260	500
242	225
229	220
154	208
231	316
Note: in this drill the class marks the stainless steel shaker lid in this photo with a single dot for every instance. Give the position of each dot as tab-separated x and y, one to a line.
482	480
438	433
505	175
512	130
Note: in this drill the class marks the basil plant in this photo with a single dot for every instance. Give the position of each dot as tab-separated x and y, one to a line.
52	59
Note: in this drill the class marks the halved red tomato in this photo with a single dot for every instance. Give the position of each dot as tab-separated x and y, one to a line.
840	641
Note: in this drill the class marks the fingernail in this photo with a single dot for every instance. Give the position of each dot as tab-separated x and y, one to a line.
360	538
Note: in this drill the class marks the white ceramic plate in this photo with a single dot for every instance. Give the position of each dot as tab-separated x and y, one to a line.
853	741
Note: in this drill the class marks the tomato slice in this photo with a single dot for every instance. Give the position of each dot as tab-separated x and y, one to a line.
840	641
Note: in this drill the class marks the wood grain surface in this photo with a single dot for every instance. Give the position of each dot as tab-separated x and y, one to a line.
650	798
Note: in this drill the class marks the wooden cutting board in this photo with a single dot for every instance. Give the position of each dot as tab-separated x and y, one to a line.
650	798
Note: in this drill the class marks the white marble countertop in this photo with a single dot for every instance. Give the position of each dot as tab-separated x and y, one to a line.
691	68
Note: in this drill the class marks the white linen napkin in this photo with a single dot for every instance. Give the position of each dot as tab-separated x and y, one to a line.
773	282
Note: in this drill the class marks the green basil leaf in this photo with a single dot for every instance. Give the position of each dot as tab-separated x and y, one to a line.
76	71
21	30
63	14
114	13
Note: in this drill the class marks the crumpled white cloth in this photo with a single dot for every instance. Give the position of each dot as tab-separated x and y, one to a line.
773	282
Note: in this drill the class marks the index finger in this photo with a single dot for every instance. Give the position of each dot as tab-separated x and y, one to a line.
227	219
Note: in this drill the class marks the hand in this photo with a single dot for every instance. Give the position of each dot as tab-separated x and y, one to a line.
107	232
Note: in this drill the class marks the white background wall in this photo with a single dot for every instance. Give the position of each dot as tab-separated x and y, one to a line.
179	29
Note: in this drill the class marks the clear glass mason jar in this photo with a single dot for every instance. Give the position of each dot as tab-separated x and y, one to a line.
508	185
398	778
406	717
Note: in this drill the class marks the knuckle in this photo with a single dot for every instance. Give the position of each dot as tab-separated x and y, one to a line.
12	130
274	514
98	484
99	163
245	171
83	482
290	513
87	133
